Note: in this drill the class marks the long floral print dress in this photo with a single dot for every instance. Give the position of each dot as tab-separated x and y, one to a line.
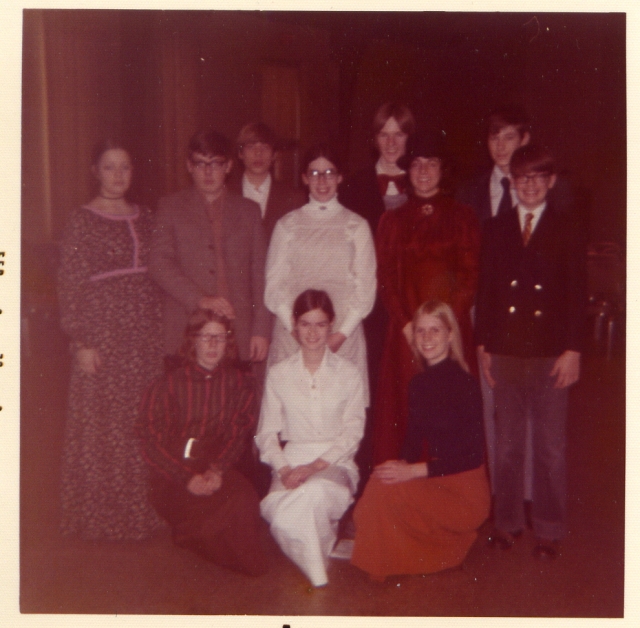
108	302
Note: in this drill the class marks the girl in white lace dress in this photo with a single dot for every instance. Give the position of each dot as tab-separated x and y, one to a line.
327	247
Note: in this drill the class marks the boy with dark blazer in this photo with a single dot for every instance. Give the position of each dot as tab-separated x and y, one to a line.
489	193
530	312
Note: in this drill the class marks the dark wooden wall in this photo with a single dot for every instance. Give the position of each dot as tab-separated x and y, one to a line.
154	77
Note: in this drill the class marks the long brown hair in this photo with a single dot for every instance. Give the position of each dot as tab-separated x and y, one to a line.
444	312
401	113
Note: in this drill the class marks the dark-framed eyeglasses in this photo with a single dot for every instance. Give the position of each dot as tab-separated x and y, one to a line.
216	164
532	177
215	338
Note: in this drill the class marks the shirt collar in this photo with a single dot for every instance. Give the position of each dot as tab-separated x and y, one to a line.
328	360
537	211
380	170
496	190
262	189
203	372
497	175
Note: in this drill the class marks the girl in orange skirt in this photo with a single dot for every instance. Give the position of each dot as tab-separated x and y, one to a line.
420	514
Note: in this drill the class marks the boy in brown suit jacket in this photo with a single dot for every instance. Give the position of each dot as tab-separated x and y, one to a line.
208	250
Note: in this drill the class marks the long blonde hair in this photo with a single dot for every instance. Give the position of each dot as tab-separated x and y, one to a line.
444	312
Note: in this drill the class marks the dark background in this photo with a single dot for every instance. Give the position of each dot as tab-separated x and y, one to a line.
154	77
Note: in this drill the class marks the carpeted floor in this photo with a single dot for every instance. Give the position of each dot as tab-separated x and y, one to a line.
60	575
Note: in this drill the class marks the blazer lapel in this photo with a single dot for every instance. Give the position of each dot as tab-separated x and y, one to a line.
273	201
512	231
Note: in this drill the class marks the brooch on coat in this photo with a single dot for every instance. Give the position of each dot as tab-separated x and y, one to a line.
426	210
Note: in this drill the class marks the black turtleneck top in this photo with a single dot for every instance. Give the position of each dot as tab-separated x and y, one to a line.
445	420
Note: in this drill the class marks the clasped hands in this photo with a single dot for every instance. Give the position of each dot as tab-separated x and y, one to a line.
396	471
207	483
294	477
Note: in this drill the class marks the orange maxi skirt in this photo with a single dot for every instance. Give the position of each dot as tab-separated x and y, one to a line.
420	526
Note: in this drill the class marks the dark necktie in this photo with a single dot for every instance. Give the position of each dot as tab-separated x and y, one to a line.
505	201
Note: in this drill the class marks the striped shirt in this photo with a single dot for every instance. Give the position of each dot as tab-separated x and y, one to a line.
217	408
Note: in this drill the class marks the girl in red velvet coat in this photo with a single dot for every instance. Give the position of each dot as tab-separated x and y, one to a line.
427	249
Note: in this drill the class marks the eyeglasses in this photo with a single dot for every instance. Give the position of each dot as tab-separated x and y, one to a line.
535	177
329	173
219	339
215	164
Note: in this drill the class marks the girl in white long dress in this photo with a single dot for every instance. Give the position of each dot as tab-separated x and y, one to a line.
324	246
311	422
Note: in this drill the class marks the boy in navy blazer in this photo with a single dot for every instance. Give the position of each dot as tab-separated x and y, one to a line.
530	312
489	193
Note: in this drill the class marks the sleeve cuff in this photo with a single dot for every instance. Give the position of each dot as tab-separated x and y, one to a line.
285	315
350	323
332	455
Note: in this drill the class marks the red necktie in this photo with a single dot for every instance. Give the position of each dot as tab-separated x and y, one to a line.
528	228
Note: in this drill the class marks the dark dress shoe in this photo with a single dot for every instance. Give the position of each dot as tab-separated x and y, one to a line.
503	540
546	550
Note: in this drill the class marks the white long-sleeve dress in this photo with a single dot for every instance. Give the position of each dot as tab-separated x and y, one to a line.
327	249
318	416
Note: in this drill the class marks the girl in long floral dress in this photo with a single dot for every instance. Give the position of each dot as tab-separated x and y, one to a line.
110	310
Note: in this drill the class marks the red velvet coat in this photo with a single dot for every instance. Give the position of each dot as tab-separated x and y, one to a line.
427	249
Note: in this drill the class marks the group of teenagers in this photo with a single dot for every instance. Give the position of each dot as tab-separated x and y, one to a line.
372	320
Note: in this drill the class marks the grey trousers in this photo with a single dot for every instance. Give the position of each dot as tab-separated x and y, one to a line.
523	387
489	415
